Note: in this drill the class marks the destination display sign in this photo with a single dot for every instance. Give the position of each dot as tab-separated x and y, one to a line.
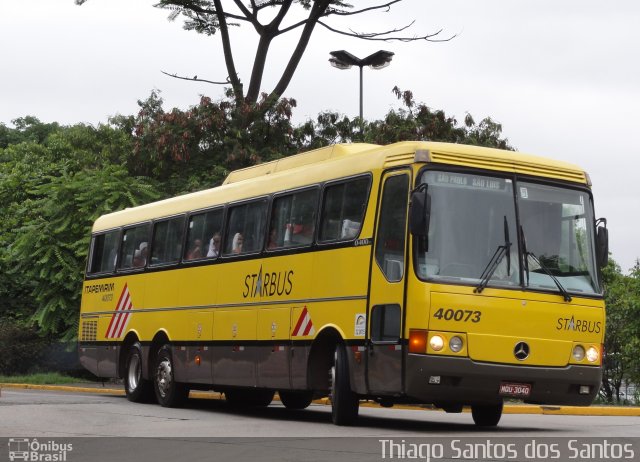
468	181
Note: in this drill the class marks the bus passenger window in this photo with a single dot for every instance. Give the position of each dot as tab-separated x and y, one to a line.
293	220
245	228
134	249
203	235
167	241
103	253
343	210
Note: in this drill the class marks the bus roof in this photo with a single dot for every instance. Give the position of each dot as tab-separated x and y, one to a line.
337	161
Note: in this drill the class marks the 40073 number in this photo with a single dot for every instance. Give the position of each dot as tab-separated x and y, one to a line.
458	315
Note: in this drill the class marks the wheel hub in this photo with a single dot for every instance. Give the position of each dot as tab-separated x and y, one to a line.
164	377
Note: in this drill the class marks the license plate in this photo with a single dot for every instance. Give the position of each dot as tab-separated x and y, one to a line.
521	390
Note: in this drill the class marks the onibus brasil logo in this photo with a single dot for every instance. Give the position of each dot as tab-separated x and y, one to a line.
34	450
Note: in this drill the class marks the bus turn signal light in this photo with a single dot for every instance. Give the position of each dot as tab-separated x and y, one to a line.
417	341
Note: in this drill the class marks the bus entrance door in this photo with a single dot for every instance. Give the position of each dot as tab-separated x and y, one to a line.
386	299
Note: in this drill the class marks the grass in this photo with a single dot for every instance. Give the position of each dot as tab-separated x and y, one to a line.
48	378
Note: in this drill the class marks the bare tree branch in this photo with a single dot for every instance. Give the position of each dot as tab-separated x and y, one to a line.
336	12
245	11
380	36
267	33
196	79
318	8
228	53
186	5
293	26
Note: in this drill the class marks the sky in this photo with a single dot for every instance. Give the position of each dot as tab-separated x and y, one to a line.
562	77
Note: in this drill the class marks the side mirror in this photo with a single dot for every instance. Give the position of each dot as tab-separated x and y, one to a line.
602	243
420	212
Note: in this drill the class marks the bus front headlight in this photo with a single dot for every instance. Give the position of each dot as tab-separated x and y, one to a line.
436	343
578	353
455	344
593	354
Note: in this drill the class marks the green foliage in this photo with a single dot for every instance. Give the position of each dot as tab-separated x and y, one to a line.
622	337
50	194
21	347
27	129
187	150
195	149
43	378
418	122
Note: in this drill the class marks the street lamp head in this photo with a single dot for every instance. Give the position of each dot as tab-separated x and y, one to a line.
378	60
342	59
335	62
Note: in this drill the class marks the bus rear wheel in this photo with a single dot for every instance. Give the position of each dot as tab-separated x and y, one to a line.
137	389
344	402
169	393
296	399
486	415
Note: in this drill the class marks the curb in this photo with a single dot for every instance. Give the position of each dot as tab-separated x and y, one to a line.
508	409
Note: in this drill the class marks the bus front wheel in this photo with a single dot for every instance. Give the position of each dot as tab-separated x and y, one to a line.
486	415
168	392
137	389
344	402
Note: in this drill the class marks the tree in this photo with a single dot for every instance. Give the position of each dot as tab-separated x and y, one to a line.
216	16
51	191
188	150
621	363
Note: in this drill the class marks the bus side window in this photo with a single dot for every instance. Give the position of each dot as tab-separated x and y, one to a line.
343	209
245	228
293	220
103	252
167	241
135	247
203	236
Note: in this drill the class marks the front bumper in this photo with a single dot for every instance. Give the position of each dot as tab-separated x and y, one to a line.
463	380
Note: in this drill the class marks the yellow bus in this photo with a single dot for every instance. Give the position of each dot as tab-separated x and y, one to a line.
416	272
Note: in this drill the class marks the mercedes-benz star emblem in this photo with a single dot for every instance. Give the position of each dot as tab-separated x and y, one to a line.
521	351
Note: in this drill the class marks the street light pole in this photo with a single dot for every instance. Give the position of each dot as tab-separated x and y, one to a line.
342	59
361	92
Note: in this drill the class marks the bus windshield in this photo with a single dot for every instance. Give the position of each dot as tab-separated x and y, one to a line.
557	230
473	234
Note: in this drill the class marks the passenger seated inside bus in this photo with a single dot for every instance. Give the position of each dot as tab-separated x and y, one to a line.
214	245
236	245
195	251
140	255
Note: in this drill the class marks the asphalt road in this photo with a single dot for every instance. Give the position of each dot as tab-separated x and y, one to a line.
71	426
39	413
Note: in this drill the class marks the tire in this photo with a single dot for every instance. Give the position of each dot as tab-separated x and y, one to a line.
344	402
486	415
249	397
137	389
169	393
296	399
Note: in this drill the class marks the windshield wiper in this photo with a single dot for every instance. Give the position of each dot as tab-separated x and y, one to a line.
547	271
495	260
525	260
